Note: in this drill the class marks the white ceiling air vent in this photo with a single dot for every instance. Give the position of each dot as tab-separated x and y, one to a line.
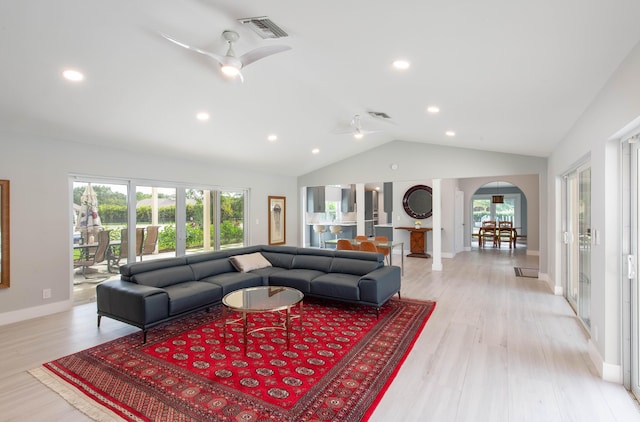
264	27
379	114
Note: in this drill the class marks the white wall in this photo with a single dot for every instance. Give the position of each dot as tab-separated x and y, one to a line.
41	216
594	137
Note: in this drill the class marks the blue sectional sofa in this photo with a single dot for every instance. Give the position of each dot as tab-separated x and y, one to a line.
152	292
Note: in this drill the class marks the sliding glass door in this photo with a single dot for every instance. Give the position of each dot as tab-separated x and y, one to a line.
113	225
577	241
633	290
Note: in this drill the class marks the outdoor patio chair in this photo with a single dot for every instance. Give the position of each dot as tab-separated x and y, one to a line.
114	259
150	241
91	256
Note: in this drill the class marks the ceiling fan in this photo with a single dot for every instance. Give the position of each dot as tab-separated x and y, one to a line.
355	127
230	65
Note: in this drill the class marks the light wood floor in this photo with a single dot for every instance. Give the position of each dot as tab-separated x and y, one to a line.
497	348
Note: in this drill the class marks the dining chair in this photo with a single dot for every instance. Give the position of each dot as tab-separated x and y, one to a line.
368	246
344	245
361	238
488	231
384	250
506	233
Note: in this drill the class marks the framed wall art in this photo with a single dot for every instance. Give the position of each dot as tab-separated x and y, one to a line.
277	220
4	234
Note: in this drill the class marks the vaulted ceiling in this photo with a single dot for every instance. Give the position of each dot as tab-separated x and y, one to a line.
508	76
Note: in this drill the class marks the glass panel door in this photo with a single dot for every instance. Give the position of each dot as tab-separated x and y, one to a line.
200	225
99	213
577	239
632	267
232	219
155	222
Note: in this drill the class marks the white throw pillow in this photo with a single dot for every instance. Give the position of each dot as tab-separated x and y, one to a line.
249	262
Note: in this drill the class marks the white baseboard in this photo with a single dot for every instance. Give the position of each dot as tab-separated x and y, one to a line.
607	371
436	267
34	312
558	290
533	253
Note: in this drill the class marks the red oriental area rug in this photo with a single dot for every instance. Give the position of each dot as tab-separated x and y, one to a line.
340	362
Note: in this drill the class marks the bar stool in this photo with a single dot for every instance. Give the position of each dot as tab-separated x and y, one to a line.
336	230
320	230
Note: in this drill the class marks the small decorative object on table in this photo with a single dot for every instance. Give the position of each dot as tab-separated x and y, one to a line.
418	224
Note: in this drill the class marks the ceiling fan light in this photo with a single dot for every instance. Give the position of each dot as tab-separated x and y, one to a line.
230	70
358	135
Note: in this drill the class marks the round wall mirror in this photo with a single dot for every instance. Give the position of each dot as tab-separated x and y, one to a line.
417	202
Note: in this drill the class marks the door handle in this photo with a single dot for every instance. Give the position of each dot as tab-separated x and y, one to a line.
631	267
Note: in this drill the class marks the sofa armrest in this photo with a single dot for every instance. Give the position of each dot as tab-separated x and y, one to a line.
133	303
379	285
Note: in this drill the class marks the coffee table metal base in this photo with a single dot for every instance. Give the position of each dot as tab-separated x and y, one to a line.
237	302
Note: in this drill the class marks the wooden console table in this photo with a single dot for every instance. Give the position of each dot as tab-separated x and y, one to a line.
418	241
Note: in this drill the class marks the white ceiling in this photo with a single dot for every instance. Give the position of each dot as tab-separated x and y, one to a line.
509	76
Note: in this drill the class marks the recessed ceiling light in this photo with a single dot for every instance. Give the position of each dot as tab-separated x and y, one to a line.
401	64
393	166
315	151
358	135
202	116
73	75
272	138
450	133
433	109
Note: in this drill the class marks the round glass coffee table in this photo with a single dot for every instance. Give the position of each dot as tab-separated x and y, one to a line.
261	299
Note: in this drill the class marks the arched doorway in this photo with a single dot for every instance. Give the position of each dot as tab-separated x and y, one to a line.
499	201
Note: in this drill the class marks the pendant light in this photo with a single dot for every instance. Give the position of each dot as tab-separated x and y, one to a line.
497	198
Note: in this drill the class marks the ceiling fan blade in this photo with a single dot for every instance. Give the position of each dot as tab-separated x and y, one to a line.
216	57
342	130
262	52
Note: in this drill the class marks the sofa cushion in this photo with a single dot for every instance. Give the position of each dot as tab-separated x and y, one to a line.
341	286
266	273
249	262
353	266
312	262
206	256
297	278
127	271
278	259
165	276
244	250
205	269
234	281
192	295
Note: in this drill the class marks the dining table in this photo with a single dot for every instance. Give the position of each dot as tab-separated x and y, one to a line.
389	244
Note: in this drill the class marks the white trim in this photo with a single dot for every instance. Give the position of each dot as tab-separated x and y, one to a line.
607	371
436	267
596	359
34	312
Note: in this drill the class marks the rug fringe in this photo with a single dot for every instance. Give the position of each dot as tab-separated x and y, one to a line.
75	398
